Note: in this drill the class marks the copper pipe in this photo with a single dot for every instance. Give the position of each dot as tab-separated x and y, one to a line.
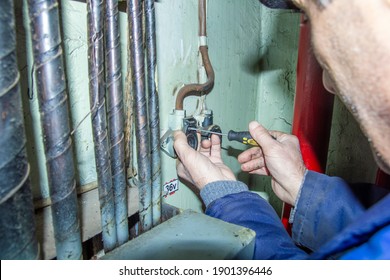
202	17
197	89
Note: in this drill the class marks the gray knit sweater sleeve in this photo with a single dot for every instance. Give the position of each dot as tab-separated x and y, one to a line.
218	189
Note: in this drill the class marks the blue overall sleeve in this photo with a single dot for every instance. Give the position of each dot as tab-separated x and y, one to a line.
231	201
326	205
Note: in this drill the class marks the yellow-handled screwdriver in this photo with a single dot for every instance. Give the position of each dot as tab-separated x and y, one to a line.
243	137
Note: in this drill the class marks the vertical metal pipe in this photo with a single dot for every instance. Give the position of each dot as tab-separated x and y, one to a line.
116	118
134	12
99	123
154	120
17	224
313	108
53	106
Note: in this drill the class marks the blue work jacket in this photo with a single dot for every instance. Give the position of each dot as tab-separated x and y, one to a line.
332	219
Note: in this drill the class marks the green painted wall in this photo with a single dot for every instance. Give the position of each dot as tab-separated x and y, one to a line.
234	40
277	78
253	51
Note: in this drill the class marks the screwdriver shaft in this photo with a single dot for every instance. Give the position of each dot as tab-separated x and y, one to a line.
207	131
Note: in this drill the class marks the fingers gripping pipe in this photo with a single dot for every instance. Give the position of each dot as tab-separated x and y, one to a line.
17	225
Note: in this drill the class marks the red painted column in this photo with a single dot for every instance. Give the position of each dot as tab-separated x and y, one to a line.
382	179
313	108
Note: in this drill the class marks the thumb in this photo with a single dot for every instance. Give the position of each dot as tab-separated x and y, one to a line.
180	145
261	135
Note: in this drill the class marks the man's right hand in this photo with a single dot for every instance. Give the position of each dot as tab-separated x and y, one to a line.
279	156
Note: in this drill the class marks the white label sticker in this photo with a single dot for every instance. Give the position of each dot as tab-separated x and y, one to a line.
170	187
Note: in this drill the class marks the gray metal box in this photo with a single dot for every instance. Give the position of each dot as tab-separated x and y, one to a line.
189	236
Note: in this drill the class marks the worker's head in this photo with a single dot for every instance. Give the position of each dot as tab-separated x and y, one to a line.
352	43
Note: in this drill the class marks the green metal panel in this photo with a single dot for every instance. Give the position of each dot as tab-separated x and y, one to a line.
177	239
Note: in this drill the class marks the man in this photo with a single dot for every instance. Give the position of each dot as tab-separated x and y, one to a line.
329	221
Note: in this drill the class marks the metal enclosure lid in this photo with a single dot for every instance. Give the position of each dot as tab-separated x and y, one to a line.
189	236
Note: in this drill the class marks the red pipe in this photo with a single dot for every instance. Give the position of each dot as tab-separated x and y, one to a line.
382	179
313	108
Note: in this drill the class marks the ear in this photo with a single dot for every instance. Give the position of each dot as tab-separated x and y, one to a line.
279	4
328	82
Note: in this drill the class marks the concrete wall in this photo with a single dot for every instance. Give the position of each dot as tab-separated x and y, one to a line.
253	51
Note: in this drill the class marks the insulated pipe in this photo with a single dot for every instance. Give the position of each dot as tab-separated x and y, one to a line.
115	119
99	123
205	88
313	108
17	224
134	12
154	121
53	107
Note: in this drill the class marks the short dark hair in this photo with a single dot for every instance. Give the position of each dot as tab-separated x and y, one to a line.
279	4
288	4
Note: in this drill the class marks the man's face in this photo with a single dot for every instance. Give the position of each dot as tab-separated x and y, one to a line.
351	42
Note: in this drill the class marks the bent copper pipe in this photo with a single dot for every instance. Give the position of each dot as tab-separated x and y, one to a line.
199	89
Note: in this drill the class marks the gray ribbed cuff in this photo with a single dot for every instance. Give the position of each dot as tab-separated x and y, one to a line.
294	209
218	189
